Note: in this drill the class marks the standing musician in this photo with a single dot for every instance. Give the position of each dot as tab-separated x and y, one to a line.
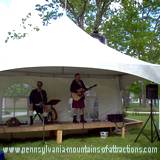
38	100
77	89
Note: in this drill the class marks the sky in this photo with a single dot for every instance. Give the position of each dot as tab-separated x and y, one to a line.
11	13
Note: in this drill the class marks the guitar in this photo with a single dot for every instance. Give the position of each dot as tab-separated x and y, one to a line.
80	93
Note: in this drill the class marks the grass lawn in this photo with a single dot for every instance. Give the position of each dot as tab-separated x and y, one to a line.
140	108
88	140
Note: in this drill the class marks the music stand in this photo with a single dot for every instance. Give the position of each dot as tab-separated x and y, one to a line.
154	133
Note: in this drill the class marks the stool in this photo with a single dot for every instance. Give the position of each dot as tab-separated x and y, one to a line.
39	111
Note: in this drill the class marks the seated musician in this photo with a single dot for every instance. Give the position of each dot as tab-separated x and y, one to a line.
77	87
38	100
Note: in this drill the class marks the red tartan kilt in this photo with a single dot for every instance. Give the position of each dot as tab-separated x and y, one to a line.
78	104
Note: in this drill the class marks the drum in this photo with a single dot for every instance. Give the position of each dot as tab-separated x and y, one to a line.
52	115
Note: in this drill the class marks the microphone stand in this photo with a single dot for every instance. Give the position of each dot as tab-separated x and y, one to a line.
43	137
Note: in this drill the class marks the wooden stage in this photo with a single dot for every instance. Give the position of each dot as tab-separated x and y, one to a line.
65	126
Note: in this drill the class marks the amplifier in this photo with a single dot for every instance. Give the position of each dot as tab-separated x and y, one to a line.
115	117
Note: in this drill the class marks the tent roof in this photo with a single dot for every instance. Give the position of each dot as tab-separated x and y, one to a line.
63	45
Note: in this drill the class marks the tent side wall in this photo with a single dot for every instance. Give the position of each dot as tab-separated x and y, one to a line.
107	93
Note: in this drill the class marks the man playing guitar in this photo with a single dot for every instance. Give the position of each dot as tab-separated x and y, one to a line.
77	89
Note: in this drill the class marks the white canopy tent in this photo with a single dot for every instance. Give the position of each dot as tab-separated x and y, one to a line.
58	51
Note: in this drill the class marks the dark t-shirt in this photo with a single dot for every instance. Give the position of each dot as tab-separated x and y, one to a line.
77	85
37	97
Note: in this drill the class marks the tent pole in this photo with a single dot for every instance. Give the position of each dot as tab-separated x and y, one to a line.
1	108
14	107
159	113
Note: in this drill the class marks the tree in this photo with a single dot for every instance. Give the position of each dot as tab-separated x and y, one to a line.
85	13
17	91
150	11
138	89
135	30
25	24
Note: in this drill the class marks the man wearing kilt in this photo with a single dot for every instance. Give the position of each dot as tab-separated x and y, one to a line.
77	89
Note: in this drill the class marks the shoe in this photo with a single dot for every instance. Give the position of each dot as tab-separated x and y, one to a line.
82	120
75	119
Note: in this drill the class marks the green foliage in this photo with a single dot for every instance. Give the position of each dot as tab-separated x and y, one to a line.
49	10
25	24
85	13
134	30
15	35
17	90
135	88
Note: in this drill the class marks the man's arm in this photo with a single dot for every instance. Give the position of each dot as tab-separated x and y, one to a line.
72	87
83	85
31	101
31	97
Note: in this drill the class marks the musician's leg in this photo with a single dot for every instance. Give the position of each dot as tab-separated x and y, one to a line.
31	114
45	114
75	113
82	114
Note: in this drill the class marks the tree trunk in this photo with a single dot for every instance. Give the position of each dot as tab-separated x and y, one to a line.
125	98
140	100
143	94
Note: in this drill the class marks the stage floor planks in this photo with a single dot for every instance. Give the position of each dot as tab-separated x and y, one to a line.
64	126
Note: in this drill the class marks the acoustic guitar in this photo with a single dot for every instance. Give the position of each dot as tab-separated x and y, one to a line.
80	93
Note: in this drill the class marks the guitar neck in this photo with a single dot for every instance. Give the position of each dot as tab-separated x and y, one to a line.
92	87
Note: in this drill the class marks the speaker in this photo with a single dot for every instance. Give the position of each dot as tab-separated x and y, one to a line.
152	91
115	117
